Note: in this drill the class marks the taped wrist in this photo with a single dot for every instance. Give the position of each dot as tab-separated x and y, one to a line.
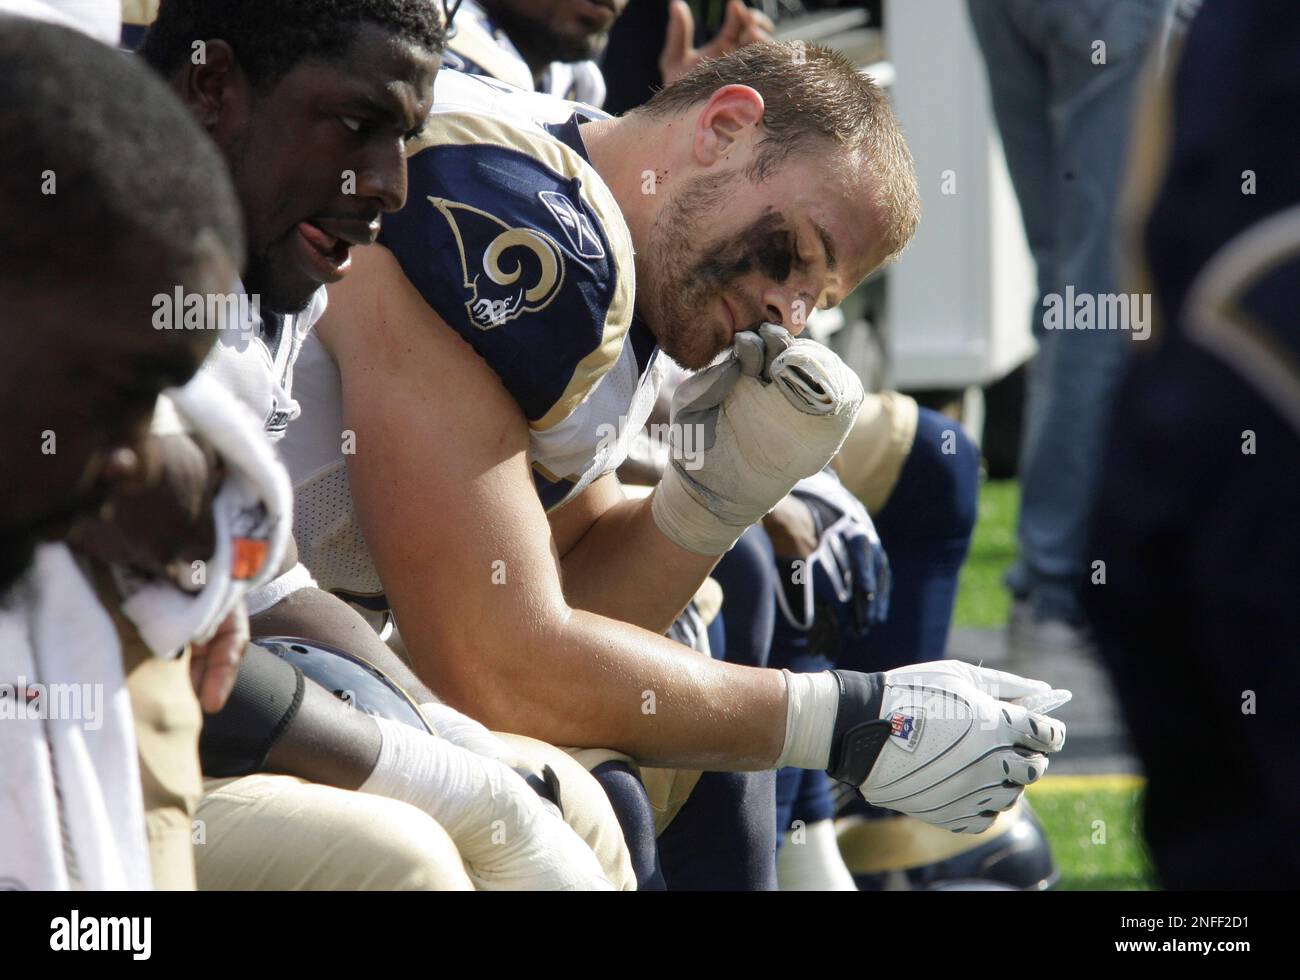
860	733
687	522
811	701
459	789
462	730
266	697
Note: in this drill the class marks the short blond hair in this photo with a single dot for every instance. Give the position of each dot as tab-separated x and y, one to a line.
813	94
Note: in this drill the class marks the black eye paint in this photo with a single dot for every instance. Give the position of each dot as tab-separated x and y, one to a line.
767	245
774	255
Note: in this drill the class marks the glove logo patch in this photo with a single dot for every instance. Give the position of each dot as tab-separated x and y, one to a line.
905	728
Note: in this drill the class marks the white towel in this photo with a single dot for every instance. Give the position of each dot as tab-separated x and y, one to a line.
101	19
71	814
252	513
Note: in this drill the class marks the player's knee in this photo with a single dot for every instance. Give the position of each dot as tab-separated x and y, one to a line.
418	856
387	845
937	494
281	833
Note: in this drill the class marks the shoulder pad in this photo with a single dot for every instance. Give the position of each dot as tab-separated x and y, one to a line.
514	240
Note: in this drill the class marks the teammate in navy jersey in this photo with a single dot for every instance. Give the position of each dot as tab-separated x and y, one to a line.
698	218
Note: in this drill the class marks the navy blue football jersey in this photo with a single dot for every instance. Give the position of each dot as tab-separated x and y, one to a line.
514	240
137	15
512	237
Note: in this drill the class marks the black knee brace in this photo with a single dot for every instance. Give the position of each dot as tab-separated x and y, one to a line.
267	695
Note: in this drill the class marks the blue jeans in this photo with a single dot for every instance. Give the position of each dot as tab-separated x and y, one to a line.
1064	124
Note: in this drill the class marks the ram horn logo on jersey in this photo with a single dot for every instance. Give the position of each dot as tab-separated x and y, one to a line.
508	271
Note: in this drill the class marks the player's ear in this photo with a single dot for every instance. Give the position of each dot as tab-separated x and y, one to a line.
731	114
205	81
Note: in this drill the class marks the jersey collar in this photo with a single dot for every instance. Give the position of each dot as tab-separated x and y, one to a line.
568	133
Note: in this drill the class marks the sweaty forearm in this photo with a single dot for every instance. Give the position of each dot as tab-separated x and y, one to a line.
591	682
624	568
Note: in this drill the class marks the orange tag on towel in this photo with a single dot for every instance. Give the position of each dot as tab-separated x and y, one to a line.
248	558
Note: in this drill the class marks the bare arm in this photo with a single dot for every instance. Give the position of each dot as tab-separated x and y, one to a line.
445	499
619	563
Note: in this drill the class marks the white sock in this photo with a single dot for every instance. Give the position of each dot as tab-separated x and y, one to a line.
809	860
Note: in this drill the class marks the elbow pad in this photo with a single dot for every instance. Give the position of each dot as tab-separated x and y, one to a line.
267	695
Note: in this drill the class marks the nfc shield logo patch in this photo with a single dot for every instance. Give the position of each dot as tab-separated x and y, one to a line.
575	225
508	271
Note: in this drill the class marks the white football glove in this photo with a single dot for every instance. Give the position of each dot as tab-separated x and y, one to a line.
951	744
509	837
520	842
746	430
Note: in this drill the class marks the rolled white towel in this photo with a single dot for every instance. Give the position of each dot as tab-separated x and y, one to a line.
252	513
71	814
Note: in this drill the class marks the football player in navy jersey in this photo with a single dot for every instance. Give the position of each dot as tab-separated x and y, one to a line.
917	460
311	103
507	335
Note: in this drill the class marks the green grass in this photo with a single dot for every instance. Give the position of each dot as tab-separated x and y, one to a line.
982	599
1093	823
1068	806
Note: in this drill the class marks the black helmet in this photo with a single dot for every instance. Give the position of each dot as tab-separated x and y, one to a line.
1012	855
350	678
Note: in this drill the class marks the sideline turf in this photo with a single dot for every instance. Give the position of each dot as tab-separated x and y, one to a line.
1094	824
982	600
1078	812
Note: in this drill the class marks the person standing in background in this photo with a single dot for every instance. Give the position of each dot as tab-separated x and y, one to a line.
1062	75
